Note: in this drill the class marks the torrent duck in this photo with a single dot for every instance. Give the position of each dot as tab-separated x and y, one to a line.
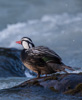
40	59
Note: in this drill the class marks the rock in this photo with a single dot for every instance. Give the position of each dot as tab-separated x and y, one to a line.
10	63
76	90
63	83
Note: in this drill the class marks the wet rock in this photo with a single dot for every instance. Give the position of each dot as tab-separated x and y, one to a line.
69	82
10	63
64	83
76	90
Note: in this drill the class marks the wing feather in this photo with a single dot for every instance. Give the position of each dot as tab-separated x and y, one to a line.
46	54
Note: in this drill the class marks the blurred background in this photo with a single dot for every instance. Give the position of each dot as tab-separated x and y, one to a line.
53	23
56	24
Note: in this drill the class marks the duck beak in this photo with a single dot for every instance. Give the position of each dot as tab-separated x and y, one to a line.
19	42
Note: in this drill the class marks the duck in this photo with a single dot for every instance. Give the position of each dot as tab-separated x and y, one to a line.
41	59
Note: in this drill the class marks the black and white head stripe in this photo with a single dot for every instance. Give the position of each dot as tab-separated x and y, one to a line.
27	42
26	39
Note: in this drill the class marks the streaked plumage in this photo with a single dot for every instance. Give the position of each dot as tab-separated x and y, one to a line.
41	59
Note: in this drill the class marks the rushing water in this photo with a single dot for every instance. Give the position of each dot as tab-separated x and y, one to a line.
53	23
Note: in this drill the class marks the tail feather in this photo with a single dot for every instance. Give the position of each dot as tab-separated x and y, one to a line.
68	67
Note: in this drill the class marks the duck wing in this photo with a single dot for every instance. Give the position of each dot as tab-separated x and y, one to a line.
46	54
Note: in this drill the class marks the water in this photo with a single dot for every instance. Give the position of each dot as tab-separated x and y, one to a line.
53	23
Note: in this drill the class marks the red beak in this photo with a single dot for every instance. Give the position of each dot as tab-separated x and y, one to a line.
19	42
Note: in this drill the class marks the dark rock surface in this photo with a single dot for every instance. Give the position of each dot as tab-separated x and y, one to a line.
63	83
10	63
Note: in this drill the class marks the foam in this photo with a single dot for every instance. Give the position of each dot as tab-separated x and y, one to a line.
11	82
47	26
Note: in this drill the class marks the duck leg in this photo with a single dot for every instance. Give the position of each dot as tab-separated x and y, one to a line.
38	76
45	75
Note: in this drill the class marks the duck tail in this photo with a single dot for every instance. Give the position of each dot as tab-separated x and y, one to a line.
68	67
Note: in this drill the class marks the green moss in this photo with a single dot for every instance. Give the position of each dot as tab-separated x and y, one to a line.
77	89
80	73
53	89
31	83
51	78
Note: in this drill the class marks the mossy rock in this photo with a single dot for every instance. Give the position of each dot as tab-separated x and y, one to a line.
53	89
76	90
31	83
50	78
64	83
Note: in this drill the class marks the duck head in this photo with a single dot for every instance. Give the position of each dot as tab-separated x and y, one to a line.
26	43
